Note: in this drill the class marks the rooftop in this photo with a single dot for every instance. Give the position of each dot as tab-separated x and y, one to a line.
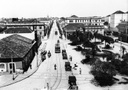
14	46
118	12
17	30
73	26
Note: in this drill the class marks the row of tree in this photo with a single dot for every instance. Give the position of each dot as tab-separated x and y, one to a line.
103	72
49	28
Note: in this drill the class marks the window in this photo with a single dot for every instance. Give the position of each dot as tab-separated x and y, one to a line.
70	20
2	65
40	27
34	27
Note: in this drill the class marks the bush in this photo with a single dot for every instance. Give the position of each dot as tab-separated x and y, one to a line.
104	80
117	63
124	69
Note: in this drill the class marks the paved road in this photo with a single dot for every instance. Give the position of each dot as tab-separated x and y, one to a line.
46	75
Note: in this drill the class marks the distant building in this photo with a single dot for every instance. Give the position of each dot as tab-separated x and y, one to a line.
115	18
72	27
86	20
89	23
12	30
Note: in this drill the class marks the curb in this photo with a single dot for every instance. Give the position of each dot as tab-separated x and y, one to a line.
21	79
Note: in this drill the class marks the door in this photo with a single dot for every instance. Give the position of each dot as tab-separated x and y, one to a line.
12	67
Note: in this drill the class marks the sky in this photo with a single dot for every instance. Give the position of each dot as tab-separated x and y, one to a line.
60	8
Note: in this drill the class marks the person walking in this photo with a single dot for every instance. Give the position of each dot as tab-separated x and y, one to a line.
80	71
55	66
70	58
30	66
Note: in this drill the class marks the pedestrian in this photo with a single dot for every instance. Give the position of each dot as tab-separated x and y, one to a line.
48	86
30	66
70	58
55	66
80	71
75	66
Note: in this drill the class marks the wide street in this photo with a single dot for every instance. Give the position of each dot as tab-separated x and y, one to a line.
46	76
49	78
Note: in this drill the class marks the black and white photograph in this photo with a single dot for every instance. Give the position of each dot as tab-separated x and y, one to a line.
63	44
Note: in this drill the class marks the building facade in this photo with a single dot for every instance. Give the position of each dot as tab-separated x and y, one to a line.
89	23
115	18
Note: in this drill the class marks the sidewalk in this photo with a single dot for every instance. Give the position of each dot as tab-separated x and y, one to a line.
7	79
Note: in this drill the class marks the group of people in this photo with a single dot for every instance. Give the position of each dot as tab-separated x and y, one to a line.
75	65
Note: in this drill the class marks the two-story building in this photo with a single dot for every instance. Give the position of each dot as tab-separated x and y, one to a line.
115	18
89	23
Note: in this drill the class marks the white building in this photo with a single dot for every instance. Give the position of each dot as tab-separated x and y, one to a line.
86	20
115	18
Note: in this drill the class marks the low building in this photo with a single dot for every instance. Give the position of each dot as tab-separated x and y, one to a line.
86	20
13	30
92	24
72	27
16	53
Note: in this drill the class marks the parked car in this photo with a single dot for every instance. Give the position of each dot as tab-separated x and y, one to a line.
72	83
68	66
64	54
57	48
56	33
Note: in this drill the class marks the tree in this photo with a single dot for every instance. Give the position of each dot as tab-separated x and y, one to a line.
106	23
99	36
103	72
63	18
123	49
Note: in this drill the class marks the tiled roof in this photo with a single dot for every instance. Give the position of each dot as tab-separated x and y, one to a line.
73	26
74	16
18	30
118	12
14	46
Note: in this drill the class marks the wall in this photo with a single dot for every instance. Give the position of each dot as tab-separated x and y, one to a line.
28	58
118	18
3	67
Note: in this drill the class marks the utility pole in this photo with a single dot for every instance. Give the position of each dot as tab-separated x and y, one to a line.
12	68
120	44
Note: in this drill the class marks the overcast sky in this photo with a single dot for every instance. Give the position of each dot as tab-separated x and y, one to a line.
59	8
